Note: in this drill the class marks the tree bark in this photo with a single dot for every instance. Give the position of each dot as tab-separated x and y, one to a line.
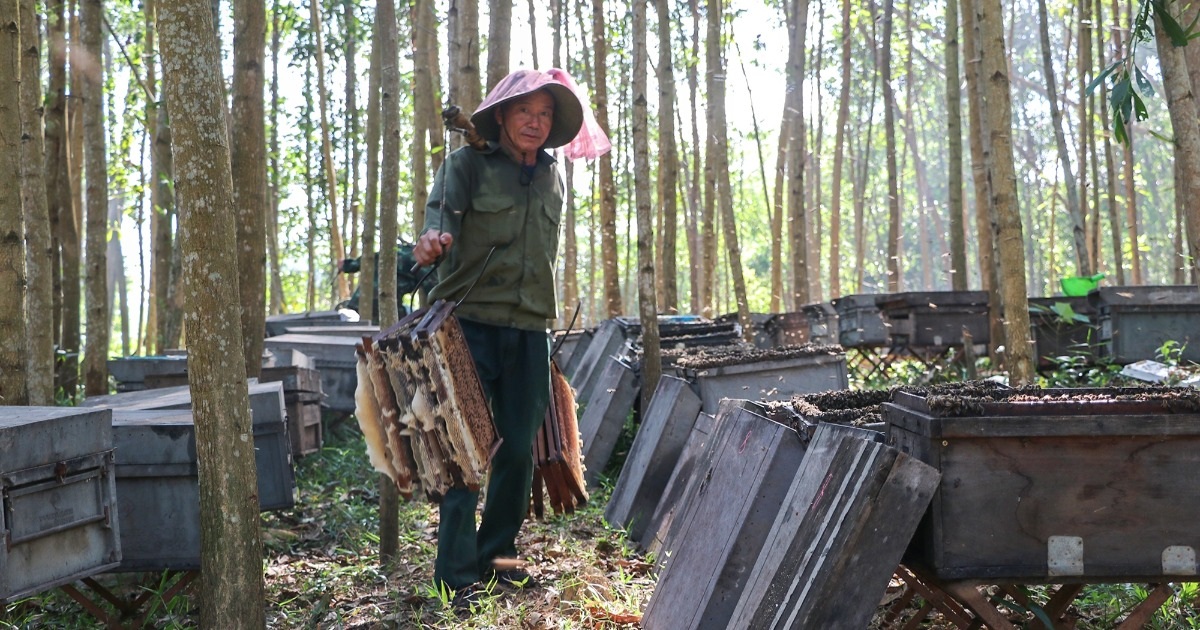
647	299
96	166
839	149
424	107
231	550
337	247
1010	240
274	275
353	152
797	212
14	344
608	193
1181	104
954	152
499	36
249	164
894	278
668	161
39	249
366	282
58	192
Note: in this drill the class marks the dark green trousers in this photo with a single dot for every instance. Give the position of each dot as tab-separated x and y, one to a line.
514	367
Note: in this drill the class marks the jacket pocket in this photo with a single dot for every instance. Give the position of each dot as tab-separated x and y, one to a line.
495	220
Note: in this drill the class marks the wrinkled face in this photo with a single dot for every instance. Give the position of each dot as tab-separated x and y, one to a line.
525	123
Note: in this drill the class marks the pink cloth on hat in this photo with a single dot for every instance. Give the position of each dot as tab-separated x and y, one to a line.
591	142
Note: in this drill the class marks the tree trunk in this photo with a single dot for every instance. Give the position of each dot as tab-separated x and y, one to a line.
797	212
367	288
499	34
1064	157
954	152
385	17
647	302
894	268
839	149
1181	104
231	550
39	250
306	128
424	107
96	165
337	248
353	152
58	196
14	344
668	161
249	164
1010	240
275	277
464	75
608	193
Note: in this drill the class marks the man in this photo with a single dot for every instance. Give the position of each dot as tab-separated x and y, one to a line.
492	221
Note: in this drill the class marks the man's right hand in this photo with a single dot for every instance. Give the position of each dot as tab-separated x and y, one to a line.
430	247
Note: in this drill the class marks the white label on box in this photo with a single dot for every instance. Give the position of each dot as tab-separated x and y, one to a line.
1179	560
1064	555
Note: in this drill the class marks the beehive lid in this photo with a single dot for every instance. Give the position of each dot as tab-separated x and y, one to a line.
153	437
35	436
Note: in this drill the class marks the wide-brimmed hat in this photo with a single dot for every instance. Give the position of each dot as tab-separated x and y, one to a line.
568	112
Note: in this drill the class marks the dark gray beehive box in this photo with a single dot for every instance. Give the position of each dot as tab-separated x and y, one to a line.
58	519
158	489
272	455
1135	322
130	372
333	356
279	324
860	323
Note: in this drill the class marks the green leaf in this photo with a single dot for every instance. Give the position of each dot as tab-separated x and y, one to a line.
1119	128
1139	107
1091	88
1119	94
1143	83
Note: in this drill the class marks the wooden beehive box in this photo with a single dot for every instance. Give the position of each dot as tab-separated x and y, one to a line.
279	324
740	373
1057	485
935	319
272	450
58	516
333	357
860	324
1057	332
1135	322
158	488
131	373
788	329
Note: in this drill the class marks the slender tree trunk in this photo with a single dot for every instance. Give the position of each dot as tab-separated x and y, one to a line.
353	152
839	148
647	303
367	288
424	108
337	248
72	242
249	164
894	267
98	319
39	250
309	194
924	199
954	153
1064	157
1181	104
14	344
276	278
231	550
58	181
389	190
608	198
465	70
499	34
778	208
797	212
979	175
1085	135
668	160
1010	240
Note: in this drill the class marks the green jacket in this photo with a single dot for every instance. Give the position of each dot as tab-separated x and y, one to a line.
490	203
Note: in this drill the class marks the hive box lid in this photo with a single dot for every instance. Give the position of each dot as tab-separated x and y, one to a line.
153	437
326	350
34	436
266	401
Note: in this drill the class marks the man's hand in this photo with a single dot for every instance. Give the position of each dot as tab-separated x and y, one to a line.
431	246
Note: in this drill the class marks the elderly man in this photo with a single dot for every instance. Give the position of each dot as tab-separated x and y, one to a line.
493	221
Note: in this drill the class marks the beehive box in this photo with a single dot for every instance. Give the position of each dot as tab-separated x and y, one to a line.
272	450
302	397
739	373
278	324
935	319
860	324
1135	322
333	356
788	329
1056	485
1063	326
131	373
58	517
158	488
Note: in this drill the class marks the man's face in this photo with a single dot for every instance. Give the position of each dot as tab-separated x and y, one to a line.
525	122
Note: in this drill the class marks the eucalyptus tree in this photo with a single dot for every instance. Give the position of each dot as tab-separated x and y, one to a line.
608	193
59	201
895	275
499	38
39	248
337	247
668	160
249	164
230	545
14	346
96	168
954	157
647	296
839	148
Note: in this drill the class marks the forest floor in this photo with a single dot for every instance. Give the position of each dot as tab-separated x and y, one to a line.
323	571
